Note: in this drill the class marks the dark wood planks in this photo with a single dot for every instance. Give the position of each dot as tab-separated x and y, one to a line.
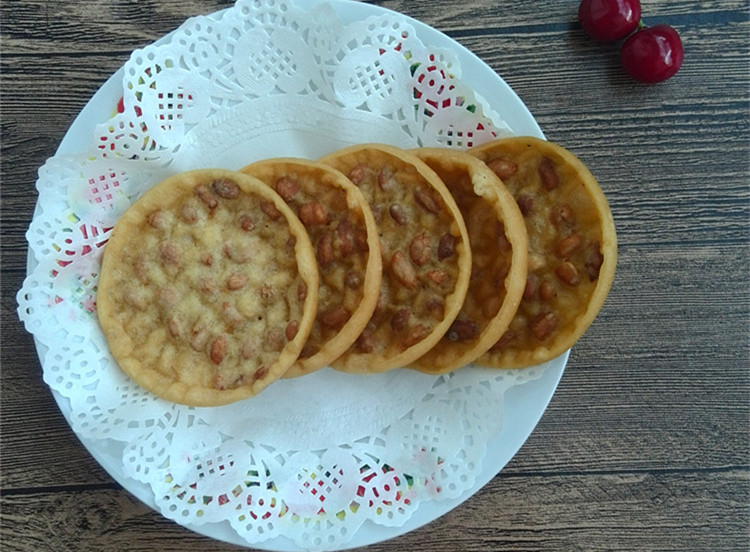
646	442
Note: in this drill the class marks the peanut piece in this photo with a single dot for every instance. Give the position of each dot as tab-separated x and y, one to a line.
198	338
547	173
207	259
360	239
345	235
291	330
207	285
358	174
247	223
400	319
218	349
502	168
532	283
543	325
167	297
206	196
335	318
403	270
426	199
439	277
189	214
251	347
169	253
462	330
270	210
547	291
568	273
231	315
420	249
236	281
365	343
266	292
273	340
301	291
446	246
313	213
562	216
593	261
239	253
386	180
308	350
157	219
525	203
352	280
225	189
324	252
415	335
507	338
140	268
398	214
569	245
260	373
436	307
174	326
287	188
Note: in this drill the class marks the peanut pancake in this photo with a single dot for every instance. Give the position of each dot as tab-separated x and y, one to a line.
425	251
208	288
572	248
343	232
499	251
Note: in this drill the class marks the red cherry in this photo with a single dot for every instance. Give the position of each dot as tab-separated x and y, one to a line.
121	105
653	54
609	20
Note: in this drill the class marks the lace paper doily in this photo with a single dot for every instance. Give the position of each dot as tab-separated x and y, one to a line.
313	458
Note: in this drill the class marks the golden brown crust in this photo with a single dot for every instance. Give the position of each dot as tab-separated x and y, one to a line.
572	248
208	288
426	256
342	229
499	247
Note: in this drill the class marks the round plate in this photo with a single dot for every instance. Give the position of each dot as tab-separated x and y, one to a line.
524	404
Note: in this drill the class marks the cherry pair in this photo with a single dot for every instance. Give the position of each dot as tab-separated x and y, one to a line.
649	54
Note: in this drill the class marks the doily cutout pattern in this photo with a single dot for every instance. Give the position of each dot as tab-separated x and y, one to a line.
310	464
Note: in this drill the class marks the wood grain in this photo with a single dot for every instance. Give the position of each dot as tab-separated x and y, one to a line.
646	443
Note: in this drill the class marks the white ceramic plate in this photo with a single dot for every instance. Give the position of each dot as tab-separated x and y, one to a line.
524	405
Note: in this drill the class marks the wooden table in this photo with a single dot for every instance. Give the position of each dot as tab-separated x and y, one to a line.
645	444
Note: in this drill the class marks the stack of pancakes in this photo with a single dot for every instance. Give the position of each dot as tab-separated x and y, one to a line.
216	283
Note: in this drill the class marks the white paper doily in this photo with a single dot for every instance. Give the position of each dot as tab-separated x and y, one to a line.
323	462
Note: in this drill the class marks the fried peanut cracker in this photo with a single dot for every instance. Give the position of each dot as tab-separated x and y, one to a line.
426	256
208	288
499	253
572	248
343	232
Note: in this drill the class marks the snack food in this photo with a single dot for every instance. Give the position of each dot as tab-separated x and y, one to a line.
499	252
426	256
208	288
572	248
343	232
